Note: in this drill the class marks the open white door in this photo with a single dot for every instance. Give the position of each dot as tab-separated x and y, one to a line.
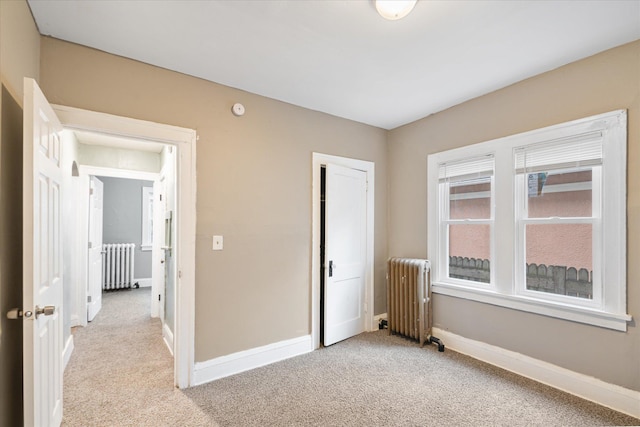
345	256
168	321
42	258
94	291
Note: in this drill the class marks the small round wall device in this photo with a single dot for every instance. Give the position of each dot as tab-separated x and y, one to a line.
237	109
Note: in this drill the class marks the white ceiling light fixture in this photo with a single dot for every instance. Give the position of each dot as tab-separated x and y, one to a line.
394	9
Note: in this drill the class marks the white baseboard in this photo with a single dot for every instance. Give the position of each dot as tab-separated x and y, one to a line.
66	353
610	395
75	320
167	336
144	283
235	363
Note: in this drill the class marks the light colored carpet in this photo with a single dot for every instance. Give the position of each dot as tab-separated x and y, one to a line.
370	380
121	372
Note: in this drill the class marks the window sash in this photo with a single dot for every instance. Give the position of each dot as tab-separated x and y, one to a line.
522	220
147	219
478	168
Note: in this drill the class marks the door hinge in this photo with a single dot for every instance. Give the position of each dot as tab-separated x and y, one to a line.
88	298
179	274
158	297
91	191
89	245
160	197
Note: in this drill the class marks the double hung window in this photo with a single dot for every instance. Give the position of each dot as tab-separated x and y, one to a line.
467	219
535	221
147	218
558	198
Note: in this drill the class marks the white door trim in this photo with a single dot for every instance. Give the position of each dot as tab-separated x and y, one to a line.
318	160
185	140
85	172
82	197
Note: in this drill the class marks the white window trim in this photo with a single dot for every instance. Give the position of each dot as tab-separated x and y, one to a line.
147	221
611	313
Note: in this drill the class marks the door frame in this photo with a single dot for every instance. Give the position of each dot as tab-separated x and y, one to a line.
318	160
85	172
185	141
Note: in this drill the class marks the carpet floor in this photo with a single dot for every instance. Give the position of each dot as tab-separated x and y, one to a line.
121	374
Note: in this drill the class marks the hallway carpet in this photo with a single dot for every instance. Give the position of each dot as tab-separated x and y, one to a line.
121	375
121	372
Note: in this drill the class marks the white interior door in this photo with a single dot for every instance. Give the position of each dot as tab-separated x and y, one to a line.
157	254
169	282
345	253
159	236
94	288
42	258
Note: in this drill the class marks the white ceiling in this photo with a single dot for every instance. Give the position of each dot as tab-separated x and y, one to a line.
341	57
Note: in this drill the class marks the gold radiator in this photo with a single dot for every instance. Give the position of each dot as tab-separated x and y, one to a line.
409	300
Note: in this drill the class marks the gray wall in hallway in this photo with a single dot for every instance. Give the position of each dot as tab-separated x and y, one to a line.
123	218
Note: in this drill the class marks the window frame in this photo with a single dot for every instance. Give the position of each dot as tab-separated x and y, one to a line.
609	311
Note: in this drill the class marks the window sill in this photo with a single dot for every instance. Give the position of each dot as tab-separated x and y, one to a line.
588	316
146	248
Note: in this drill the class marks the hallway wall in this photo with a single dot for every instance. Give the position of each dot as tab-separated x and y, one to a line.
122	221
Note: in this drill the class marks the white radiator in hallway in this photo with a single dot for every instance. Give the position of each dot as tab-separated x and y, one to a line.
118	262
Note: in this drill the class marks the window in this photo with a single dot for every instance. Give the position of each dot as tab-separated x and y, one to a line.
467	219
535	221
147	218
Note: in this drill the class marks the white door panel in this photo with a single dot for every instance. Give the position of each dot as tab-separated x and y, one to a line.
42	258
345	256
94	291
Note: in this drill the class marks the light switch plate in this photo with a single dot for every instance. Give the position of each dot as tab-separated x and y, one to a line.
218	243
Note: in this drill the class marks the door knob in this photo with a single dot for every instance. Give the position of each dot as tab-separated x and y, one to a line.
47	310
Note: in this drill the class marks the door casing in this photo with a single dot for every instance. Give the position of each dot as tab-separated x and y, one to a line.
185	141
85	173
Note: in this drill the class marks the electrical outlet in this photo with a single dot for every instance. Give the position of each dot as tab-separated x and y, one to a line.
218	243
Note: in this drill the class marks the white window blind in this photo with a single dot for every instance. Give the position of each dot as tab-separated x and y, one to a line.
480	167
577	151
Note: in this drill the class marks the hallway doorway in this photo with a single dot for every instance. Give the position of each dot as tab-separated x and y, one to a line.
181	143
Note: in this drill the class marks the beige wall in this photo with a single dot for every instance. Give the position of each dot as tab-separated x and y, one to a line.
19	57
254	187
602	83
19	46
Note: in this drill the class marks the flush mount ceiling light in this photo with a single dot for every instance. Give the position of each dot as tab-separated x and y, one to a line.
394	9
